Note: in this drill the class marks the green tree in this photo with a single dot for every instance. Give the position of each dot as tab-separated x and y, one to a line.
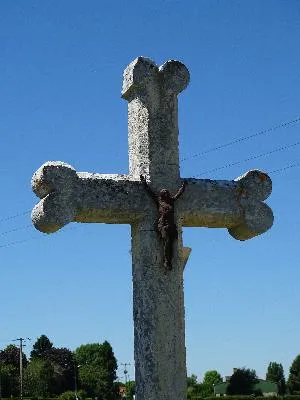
9	381
210	379
11	356
62	362
293	383
130	390
191	380
69	395
10	370
97	371
41	347
202	390
275	374
242	382
191	385
39	378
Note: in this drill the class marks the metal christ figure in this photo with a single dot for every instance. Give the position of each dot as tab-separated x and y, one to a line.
165	224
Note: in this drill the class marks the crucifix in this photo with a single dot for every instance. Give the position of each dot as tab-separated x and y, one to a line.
238	205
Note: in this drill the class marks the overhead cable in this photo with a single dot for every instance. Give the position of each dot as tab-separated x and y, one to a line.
242	139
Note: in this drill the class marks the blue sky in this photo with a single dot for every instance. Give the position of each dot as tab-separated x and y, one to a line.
61	65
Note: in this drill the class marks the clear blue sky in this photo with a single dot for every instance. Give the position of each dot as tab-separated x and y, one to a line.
61	65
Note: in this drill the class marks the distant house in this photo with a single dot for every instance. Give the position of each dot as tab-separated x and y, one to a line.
267	388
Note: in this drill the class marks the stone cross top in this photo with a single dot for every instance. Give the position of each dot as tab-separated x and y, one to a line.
67	195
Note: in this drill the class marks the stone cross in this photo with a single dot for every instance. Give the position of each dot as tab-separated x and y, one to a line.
70	196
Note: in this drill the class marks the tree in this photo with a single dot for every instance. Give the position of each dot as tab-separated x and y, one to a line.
62	362
39	378
97	371
10	370
130	390
210	379
11	356
294	377
41	347
191	385
275	374
9	381
191	380
242	382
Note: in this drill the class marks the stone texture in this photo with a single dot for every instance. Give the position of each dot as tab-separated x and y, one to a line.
158	305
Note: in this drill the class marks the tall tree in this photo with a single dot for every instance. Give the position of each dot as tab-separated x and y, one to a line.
97	371
63	362
212	377
275	374
9	381
10	370
39	378
11	356
191	380
41	347
293	383
191	386
242	382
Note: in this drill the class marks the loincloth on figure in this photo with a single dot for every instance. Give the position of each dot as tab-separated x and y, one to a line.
167	231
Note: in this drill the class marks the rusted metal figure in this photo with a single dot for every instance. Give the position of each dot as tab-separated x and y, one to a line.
165	224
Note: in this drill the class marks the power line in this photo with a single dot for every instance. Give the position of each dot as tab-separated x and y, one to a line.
16	229
15	216
17	242
242	139
275	171
9	244
249	159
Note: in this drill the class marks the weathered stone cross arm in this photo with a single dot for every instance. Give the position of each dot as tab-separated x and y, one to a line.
236	205
67	195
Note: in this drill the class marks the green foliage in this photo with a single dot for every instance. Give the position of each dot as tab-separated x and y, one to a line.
61	360
275	374
211	378
10	370
293	383
191	380
130	390
97	371
39	378
9	376
11	356
292	397
69	395
191	385
40	347
242	382
204	389
241	397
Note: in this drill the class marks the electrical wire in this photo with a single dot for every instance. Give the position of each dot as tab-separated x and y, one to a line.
9	244
276	171
249	159
242	139
15	216
16	229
